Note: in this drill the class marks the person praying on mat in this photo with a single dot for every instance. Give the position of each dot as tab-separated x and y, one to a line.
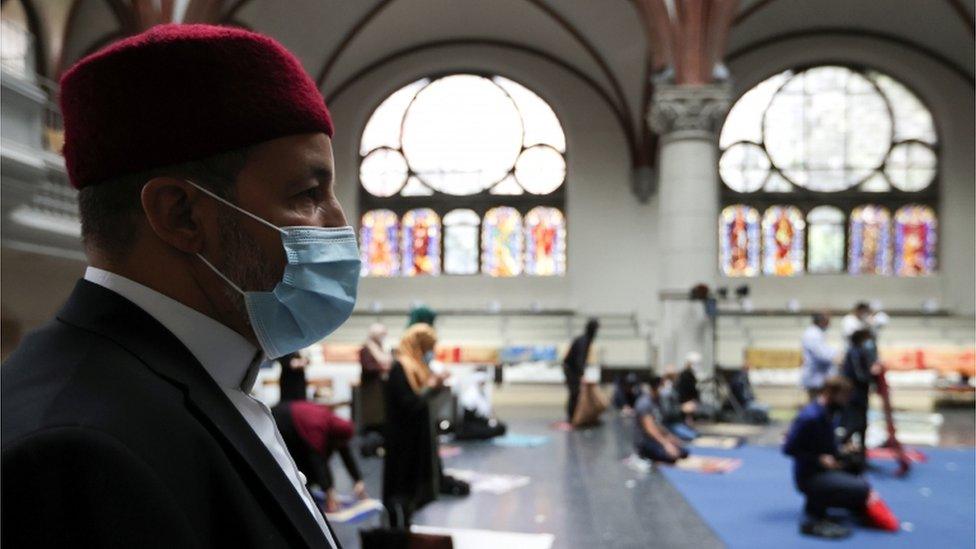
574	364
477	421
376	363
312	433
817	471
686	388
860	368
652	440
412	471
819	357
626	391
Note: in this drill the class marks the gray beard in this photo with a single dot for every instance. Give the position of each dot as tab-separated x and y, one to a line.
243	262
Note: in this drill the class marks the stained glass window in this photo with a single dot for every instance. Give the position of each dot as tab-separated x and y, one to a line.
825	240
915	240
739	241
501	242
421	230
783	243
545	242
461	229
378	239
470	143
848	145
870	241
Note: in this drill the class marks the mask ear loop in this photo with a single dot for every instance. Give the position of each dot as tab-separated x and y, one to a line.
221	275
245	212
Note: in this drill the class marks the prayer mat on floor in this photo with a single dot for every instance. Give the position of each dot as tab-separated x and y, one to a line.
488	482
756	506
354	510
714	441
888	454
709	464
447	452
516	440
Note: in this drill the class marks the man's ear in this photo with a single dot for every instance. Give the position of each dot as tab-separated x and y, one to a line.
172	208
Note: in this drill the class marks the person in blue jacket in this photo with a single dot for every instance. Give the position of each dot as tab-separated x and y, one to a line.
817	470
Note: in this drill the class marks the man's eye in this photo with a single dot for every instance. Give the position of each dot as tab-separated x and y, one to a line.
315	193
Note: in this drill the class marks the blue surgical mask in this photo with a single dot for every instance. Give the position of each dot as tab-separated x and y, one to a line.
317	291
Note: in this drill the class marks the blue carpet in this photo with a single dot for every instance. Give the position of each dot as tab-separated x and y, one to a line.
757	506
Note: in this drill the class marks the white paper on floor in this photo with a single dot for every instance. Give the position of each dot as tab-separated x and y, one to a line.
464	538
488	482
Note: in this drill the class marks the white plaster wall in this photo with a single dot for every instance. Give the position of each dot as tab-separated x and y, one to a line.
951	99
611	237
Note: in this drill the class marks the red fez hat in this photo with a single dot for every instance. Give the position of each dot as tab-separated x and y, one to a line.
177	93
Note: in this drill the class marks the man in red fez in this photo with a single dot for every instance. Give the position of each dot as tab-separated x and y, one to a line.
203	159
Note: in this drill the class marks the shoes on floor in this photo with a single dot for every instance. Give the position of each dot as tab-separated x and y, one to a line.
451	486
823	528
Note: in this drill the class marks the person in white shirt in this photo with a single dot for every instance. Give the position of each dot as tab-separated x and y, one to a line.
819	357
863	317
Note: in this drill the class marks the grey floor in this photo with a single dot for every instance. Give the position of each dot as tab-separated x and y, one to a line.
579	491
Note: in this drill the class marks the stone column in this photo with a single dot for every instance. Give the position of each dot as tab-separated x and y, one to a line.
687	118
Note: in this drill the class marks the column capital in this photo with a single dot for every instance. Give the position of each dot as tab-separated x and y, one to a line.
690	111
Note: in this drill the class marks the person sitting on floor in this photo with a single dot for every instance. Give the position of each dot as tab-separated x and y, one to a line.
477	422
817	471
312	433
626	391
652	440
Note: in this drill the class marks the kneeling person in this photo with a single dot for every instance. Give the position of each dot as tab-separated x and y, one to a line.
652	440
816	470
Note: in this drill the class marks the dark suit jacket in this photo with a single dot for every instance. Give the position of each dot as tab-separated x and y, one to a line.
113	435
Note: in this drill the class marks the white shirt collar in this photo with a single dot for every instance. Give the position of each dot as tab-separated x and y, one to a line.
225	354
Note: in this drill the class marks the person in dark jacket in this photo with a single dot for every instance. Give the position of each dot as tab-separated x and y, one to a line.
817	469
292	380
626	391
686	388
574	364
375	363
127	421
860	368
412	471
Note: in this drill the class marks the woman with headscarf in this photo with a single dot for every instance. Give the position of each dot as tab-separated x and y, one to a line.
412	473
376	363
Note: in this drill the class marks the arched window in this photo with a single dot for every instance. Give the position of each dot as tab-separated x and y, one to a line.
501	242
825	240
739	241
914	240
783	229
545	242
826	147
379	233
461	230
479	152
421	242
870	247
